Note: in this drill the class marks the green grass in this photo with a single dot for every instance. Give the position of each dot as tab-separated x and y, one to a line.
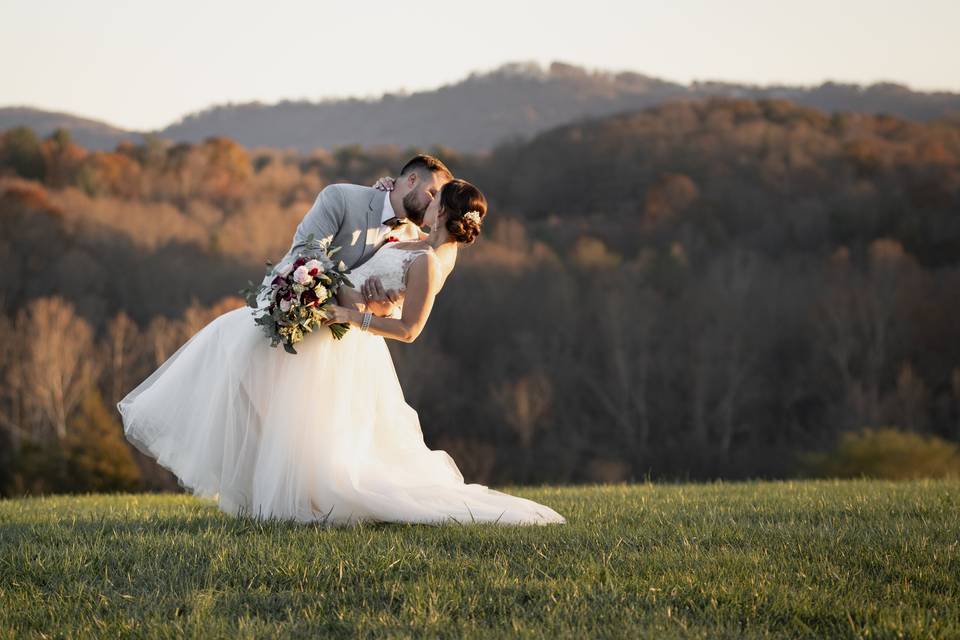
745	560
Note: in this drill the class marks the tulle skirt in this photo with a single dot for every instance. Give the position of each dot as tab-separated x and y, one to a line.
321	436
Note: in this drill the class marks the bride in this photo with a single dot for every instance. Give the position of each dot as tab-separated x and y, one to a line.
324	435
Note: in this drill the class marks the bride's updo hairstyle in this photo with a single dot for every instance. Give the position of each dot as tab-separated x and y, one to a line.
466	207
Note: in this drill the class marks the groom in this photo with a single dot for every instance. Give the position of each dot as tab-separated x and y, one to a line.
358	219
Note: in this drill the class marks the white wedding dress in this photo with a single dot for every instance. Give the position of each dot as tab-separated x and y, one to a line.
321	436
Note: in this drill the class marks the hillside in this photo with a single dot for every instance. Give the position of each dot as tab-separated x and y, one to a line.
727	283
91	134
517	100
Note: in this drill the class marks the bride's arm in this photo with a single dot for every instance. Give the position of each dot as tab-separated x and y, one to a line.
423	282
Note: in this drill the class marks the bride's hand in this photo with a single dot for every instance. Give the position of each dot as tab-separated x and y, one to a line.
379	301
385	183
372	291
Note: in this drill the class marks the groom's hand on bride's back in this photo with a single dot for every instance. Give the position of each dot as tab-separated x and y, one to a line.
378	300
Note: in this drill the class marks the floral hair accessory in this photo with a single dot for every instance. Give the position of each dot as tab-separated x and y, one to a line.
472	216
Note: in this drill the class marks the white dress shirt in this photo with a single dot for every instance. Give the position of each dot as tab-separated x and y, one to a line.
403	232
386	215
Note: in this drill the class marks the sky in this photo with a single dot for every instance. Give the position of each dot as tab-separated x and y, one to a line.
143	65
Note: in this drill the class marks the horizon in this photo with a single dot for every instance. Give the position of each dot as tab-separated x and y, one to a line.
545	67
115	64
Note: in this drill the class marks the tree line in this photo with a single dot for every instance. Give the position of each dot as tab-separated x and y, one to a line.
697	290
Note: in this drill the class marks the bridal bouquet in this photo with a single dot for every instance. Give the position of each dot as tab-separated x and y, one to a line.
297	295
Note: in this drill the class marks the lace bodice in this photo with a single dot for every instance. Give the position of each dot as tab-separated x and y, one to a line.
390	264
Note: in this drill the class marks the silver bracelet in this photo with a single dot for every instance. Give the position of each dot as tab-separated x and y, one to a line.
367	317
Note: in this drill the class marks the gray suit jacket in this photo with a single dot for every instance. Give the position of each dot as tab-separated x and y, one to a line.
346	216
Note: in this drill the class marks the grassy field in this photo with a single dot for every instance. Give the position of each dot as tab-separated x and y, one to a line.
820	559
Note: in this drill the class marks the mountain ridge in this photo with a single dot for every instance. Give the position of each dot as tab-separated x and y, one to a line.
516	100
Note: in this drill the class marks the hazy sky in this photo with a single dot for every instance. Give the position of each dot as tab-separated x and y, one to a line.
143	65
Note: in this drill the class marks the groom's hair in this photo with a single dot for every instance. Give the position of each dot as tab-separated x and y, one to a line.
426	164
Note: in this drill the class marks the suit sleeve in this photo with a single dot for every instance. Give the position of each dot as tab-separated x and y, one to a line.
324	219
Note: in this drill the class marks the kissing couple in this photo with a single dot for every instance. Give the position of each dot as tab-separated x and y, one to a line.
326	435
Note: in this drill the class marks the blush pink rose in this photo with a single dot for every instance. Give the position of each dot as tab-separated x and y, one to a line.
302	275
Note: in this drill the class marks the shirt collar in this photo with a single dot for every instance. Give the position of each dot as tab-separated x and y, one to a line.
387	210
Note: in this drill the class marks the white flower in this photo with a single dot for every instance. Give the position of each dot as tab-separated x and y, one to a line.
285	271
314	264
321	292
284	305
472	216
302	275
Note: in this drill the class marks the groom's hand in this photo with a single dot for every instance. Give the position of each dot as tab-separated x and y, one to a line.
381	309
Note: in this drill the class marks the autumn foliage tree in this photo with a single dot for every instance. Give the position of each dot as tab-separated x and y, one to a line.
696	290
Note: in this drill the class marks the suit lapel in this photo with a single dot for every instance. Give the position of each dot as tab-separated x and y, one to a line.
372	232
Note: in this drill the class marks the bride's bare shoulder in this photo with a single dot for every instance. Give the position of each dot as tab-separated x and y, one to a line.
426	267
